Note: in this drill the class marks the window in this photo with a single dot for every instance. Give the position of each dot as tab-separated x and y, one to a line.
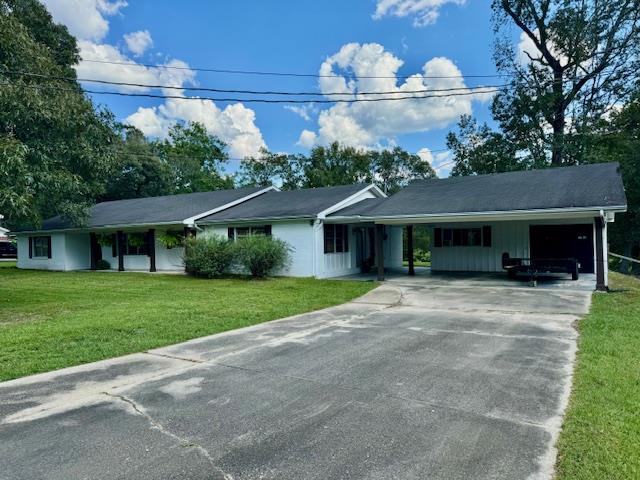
238	232
462	237
135	244
40	247
336	238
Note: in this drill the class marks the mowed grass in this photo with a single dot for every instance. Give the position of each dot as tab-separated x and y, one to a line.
600	437
50	320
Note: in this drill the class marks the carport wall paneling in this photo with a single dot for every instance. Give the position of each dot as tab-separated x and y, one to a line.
507	236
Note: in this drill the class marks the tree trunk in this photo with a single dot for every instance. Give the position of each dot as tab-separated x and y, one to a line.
625	265
558	120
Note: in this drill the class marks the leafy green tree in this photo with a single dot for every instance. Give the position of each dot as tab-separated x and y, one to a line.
619	140
196	159
141	172
394	169
479	150
583	60
271	169
335	164
56	149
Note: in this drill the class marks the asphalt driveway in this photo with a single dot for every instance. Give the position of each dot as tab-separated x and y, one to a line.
409	382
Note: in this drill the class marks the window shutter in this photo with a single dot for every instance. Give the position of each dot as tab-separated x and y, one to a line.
30	247
114	245
267	230
230	233
486	236
48	247
437	233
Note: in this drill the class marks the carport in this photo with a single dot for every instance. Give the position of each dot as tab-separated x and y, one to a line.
556	214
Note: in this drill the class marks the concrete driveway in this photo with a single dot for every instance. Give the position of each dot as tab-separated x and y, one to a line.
412	381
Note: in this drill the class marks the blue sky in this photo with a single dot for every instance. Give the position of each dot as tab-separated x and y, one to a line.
366	37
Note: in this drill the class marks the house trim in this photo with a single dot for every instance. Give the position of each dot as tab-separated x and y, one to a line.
481	216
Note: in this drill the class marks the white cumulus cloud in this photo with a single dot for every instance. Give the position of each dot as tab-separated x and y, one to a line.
424	12
368	124
235	124
138	42
307	139
85	19
441	162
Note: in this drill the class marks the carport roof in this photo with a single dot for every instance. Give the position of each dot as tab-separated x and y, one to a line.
155	210
584	186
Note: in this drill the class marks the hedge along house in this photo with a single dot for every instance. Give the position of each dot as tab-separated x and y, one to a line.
126	233
129	233
554	214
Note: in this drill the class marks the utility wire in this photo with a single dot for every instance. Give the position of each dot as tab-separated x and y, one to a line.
280	74
263	100
249	92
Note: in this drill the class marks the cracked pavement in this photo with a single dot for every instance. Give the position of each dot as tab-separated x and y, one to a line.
411	381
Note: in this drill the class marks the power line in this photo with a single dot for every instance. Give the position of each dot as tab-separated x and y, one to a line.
479	91
248	92
280	74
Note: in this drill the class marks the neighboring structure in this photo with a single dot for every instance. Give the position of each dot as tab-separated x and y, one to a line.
335	231
552	213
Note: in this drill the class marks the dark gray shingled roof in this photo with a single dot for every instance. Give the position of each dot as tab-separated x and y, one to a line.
151	210
305	203
594	185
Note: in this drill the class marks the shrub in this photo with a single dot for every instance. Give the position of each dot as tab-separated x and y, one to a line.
262	255
422	255
208	257
102	264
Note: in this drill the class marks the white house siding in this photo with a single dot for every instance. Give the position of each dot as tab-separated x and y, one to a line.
340	264
68	252
77	251
506	236
299	236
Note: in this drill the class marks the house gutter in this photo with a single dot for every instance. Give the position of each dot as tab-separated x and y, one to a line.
477	216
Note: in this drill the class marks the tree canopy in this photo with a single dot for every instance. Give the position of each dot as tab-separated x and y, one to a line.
56	146
335	164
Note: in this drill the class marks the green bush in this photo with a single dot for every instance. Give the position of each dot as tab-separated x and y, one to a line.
261	255
208	257
102	264
420	255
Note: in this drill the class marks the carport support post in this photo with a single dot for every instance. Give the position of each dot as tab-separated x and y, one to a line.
380	251
120	243
151	248
412	270
601	283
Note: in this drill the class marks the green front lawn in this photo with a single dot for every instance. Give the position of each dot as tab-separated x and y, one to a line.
50	320
600	437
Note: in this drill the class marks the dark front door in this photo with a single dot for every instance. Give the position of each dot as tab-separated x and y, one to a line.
563	241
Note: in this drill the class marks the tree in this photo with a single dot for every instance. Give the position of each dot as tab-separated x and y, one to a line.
619	140
583	62
394	169
141	172
196	159
478	150
271	169
56	149
335	164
